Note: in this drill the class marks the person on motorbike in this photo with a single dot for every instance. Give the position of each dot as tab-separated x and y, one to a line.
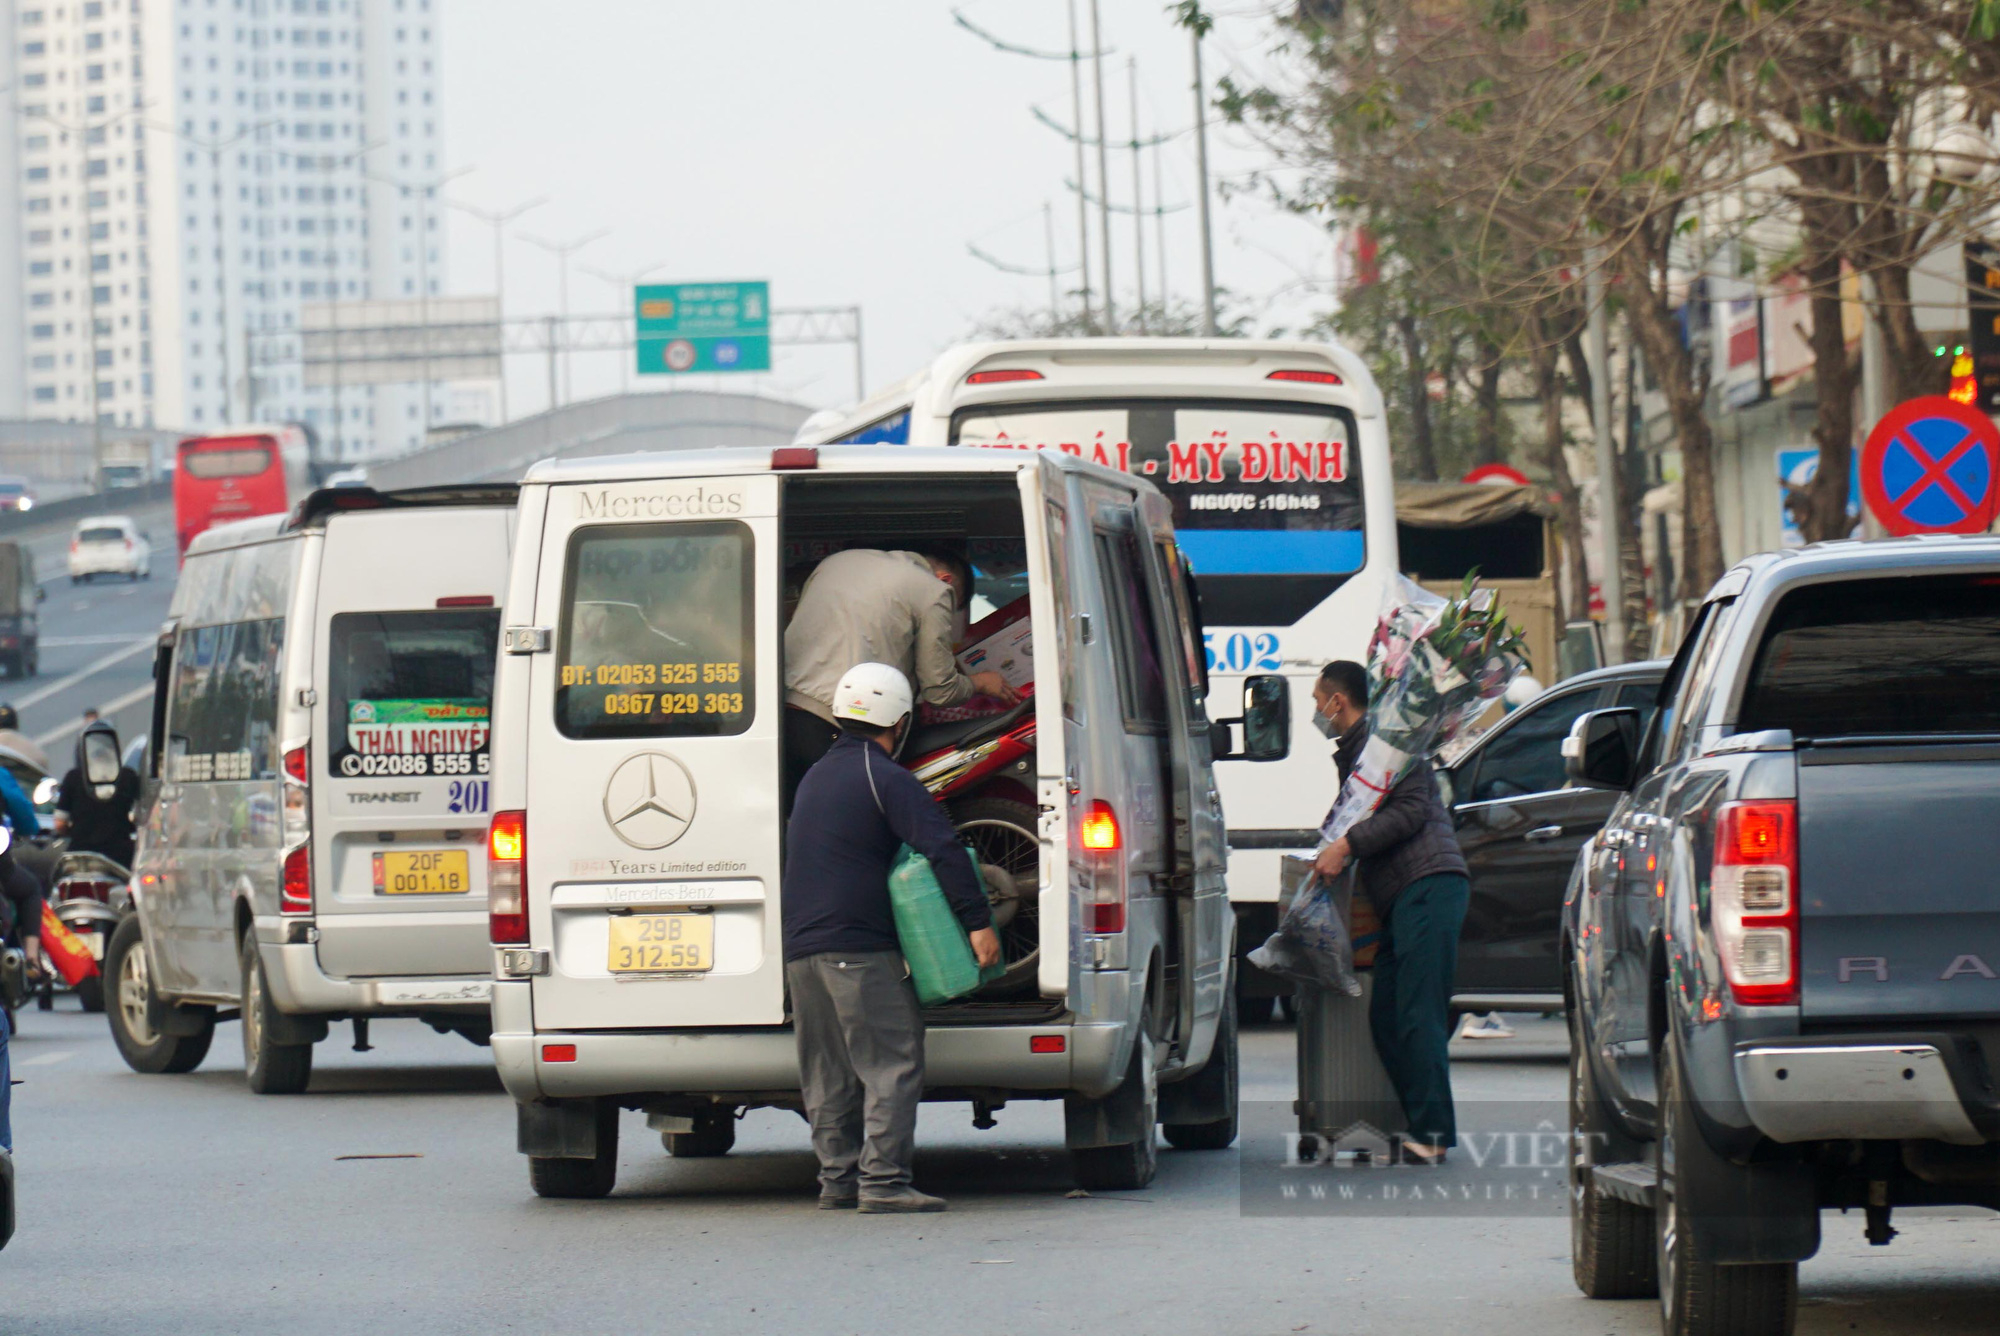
94	805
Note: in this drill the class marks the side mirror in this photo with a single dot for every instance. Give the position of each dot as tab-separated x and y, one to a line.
1447	786
1266	722
1602	749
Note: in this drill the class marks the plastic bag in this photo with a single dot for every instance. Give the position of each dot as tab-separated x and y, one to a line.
935	944
1312	945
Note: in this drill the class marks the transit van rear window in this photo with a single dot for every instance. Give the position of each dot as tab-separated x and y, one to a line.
656	637
1908	656
411	693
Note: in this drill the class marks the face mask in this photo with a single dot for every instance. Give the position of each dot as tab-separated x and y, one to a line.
1327	728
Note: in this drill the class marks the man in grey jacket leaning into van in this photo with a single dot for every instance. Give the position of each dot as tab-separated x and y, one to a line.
864	605
1413	873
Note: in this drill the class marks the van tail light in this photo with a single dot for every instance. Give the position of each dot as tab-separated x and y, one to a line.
795	457
1755	900
506	882
1002	376
1104	845
1309	377
295	894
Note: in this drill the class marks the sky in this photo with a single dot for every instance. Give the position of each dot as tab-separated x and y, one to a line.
847	152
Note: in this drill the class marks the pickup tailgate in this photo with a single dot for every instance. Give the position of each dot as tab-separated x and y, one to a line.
1899	870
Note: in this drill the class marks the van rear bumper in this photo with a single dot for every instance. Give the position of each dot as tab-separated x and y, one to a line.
723	1061
299	987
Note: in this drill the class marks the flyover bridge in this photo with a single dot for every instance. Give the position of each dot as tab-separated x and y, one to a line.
617	424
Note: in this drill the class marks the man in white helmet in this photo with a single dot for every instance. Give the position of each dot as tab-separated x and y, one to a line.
854	1011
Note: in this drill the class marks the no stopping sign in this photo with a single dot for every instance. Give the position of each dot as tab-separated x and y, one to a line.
1932	465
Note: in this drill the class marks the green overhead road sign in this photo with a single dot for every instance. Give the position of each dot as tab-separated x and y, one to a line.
689	328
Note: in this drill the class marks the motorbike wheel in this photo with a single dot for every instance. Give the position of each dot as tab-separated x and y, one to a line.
90	992
1002	835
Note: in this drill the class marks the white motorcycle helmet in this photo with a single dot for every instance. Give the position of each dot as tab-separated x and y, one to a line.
872	693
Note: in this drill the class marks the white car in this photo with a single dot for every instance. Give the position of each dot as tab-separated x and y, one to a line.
109	545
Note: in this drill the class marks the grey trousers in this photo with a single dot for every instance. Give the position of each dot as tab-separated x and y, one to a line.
861	1058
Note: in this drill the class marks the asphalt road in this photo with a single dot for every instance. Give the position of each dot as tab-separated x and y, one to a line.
96	640
187	1204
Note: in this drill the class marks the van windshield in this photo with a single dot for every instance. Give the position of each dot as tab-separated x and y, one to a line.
411	693
657	629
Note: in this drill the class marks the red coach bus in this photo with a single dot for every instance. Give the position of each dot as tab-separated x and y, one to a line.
254	470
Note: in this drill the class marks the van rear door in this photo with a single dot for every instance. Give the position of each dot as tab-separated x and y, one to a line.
653	756
1054	567
406	632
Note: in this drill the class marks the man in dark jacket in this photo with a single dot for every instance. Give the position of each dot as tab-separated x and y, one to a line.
94	805
854	1011
1412	871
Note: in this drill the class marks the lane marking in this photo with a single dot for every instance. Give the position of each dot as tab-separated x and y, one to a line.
70	642
47	1059
129	699
139	646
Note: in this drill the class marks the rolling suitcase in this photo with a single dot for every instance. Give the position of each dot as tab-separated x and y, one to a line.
1345	1102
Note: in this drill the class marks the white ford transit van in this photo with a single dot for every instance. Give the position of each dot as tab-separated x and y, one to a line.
310	837
638	746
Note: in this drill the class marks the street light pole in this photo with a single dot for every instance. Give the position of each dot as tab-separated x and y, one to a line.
1082	204
1196	26
1138	195
332	165
623	284
499	221
1103	167
562	250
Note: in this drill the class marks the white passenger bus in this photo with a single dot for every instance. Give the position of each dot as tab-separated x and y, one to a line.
1276	459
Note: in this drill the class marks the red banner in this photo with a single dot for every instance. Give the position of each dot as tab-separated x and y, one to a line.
70	956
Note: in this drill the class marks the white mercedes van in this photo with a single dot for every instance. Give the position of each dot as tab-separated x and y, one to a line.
636	842
311	832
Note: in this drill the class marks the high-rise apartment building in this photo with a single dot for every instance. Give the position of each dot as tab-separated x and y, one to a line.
182	176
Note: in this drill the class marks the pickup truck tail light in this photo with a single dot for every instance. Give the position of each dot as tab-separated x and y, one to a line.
1755	901
506	879
295	891
1104	846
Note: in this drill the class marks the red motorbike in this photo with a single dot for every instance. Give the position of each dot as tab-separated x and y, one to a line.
983	770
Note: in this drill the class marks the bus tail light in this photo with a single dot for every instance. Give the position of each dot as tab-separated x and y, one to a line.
1104	845
1002	376
795	457
1309	377
1755	902
295	890
506	879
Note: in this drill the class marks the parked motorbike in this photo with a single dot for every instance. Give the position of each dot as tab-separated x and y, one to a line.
983	770
90	894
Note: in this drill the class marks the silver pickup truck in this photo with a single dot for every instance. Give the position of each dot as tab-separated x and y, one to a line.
1784	946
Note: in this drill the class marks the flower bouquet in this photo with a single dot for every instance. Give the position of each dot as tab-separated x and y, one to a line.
1434	665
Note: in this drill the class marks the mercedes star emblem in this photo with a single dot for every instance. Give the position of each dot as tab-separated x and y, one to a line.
649	801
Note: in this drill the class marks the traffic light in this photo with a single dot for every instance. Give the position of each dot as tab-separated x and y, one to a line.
1964	385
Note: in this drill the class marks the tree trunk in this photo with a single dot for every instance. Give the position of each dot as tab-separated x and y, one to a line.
1820	507
1486	396
1685	391
1569	505
1422	448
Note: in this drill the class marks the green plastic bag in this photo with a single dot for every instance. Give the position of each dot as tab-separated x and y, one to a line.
935	943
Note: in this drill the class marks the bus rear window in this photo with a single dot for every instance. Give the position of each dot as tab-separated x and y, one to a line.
236	461
656	637
411	693
1266	494
1860	657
